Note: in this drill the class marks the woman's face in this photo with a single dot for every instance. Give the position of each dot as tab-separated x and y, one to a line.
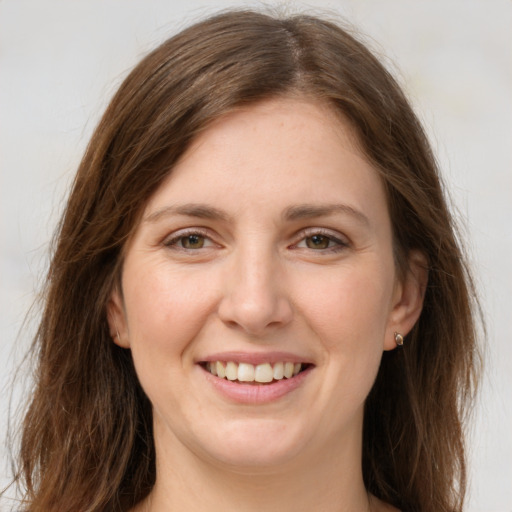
267	251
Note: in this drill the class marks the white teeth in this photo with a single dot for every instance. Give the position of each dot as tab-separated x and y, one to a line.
245	372
231	371
263	373
288	370
221	370
278	371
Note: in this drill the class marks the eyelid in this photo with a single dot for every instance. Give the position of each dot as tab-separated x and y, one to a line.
341	241
171	240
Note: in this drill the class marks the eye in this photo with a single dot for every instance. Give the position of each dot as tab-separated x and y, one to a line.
318	242
321	241
192	241
189	241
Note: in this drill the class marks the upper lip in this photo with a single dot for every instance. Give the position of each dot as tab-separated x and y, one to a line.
255	358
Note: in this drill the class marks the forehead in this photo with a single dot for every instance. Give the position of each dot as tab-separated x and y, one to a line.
279	147
308	121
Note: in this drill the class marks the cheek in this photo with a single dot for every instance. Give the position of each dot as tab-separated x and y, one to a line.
164	312
351	309
348	318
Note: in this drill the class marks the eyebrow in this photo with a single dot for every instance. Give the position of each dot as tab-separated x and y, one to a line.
201	211
309	211
292	213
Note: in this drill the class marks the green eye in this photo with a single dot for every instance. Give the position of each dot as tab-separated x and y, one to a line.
192	241
318	242
188	240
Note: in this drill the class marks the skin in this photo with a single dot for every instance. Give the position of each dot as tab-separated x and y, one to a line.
254	281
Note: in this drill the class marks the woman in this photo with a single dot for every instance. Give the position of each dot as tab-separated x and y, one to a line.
255	230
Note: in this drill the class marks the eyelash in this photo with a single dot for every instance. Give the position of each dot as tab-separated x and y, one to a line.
175	239
339	244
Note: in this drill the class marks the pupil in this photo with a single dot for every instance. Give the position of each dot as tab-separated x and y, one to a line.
318	242
193	242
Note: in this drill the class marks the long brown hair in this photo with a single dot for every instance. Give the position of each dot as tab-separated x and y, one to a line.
87	436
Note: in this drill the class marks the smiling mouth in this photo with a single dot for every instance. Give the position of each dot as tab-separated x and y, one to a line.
265	373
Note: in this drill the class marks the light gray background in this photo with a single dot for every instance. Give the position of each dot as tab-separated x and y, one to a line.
61	60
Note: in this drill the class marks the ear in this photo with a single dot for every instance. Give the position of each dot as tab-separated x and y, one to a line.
408	299
117	320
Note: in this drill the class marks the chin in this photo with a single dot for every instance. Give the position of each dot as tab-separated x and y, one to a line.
255	444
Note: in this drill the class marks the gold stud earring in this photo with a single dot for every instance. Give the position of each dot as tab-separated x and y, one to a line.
399	339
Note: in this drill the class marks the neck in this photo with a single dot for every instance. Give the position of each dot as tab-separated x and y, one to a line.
328	481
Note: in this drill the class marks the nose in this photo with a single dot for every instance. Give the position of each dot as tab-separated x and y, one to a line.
255	297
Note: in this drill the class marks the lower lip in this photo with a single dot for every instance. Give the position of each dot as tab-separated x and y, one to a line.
256	393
